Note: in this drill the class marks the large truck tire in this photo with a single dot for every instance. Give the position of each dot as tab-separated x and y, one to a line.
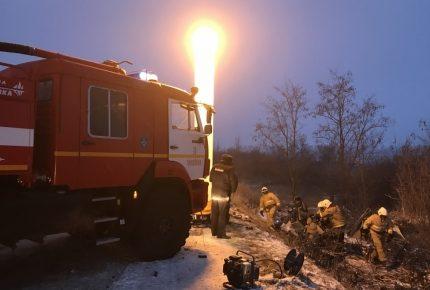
164	224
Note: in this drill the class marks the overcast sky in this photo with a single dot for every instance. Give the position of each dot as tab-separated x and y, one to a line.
385	44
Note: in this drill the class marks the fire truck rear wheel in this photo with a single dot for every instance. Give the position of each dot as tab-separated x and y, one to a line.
165	222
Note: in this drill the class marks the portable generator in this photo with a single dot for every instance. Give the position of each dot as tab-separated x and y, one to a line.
241	272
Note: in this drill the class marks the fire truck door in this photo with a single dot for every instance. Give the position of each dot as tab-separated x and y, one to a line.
106	155
186	138
45	124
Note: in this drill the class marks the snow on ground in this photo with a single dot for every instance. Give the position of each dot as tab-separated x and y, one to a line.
56	264
263	244
197	266
187	270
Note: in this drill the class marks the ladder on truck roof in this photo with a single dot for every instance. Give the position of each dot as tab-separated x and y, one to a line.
46	54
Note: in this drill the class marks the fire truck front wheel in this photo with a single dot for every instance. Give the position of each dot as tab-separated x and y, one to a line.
164	224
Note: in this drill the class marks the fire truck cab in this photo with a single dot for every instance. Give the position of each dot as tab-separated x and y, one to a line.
103	152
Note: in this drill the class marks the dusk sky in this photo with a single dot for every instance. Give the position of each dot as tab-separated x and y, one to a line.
385	44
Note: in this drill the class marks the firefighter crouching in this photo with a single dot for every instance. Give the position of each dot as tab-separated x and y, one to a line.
378	225
312	227
269	203
331	217
224	183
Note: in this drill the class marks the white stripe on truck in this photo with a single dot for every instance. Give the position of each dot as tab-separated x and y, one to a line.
10	136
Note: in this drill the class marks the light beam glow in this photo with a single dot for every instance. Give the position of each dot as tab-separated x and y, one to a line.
206	40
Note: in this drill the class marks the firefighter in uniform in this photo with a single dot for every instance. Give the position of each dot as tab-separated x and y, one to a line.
224	183
332	218
301	210
312	228
269	203
378	224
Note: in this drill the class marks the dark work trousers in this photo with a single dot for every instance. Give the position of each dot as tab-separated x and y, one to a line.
227	213
218	217
339	234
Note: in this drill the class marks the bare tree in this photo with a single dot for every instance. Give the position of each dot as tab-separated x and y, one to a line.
281	130
237	144
355	129
337	109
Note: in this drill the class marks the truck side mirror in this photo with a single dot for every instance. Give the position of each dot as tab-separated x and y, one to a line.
208	129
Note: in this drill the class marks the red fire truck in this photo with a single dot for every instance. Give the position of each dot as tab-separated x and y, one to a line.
102	154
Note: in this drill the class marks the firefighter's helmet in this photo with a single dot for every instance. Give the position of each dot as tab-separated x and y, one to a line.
324	203
382	211
227	159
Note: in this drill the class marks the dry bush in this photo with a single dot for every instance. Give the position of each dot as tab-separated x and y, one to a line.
246	196
413	182
416	233
261	168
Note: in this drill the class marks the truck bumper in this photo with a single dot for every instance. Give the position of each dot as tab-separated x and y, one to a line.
199	195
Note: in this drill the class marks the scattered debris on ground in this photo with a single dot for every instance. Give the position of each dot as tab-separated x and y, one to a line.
352	269
199	265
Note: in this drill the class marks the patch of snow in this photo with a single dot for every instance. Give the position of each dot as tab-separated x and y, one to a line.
185	270
26	247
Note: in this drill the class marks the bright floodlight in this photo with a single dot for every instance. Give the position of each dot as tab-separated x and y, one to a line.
147	76
205	42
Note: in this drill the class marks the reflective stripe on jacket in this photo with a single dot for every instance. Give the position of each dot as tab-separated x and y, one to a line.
224	180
